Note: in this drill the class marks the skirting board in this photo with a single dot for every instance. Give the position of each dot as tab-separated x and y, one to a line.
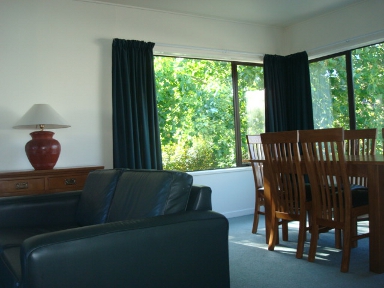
238	213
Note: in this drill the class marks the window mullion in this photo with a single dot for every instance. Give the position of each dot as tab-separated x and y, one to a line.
236	114
351	93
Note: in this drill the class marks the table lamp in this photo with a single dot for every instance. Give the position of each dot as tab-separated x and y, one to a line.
42	151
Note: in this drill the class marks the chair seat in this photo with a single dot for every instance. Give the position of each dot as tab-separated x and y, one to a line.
359	197
358	187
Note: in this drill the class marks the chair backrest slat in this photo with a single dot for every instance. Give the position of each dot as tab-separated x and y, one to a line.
360	142
256	152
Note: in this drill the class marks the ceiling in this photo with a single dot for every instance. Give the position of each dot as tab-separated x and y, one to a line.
279	13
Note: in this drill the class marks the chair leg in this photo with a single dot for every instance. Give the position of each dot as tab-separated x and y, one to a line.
313	243
338	239
346	249
277	234
354	232
301	240
255	222
274	234
256	214
284	228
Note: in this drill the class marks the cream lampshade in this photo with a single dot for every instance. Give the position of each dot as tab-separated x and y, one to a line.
42	151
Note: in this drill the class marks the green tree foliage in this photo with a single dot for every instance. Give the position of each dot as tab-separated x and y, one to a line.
195	105
329	93
368	72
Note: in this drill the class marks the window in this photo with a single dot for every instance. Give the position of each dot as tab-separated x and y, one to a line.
368	83
348	89
250	84
329	93
203	116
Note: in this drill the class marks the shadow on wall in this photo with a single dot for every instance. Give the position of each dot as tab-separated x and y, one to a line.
105	99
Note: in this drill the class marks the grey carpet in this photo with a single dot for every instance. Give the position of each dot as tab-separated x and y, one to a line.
252	265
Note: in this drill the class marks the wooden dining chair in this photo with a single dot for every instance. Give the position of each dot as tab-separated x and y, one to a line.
358	142
334	205
256	154
290	201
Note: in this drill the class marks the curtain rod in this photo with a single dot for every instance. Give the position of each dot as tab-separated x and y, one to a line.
335	44
221	51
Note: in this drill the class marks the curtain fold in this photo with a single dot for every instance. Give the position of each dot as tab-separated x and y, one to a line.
136	136
275	99
288	99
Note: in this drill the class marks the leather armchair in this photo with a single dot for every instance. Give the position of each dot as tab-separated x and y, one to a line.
42	243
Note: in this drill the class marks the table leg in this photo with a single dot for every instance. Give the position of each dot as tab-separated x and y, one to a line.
376	218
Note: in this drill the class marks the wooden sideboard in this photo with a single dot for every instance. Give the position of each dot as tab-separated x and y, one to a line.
30	182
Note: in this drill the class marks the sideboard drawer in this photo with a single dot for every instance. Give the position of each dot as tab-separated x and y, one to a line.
66	183
31	182
21	186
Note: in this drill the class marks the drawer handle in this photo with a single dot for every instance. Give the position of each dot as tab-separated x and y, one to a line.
21	185
70	181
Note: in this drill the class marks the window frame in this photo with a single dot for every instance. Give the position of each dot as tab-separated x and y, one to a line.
236	105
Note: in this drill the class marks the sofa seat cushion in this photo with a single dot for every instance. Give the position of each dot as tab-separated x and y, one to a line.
149	193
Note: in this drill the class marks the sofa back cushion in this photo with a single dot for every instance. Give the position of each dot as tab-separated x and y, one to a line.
148	193
96	197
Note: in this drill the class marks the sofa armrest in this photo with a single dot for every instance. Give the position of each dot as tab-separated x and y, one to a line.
189	249
200	198
39	210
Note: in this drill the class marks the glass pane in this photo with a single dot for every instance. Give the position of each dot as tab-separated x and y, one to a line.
329	93
195	106
368	74
251	103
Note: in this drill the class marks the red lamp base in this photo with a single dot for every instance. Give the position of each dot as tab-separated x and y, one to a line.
43	151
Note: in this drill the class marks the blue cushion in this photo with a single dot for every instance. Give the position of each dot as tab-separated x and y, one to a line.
149	193
96	197
359	195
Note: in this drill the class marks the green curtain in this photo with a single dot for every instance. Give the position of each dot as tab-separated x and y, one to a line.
136	136
288	99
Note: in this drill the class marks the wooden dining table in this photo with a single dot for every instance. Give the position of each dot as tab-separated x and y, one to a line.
371	166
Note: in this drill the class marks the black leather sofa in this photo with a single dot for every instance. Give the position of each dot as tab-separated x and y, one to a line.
126	228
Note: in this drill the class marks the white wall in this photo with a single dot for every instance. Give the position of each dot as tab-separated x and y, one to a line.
59	52
232	190
355	26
